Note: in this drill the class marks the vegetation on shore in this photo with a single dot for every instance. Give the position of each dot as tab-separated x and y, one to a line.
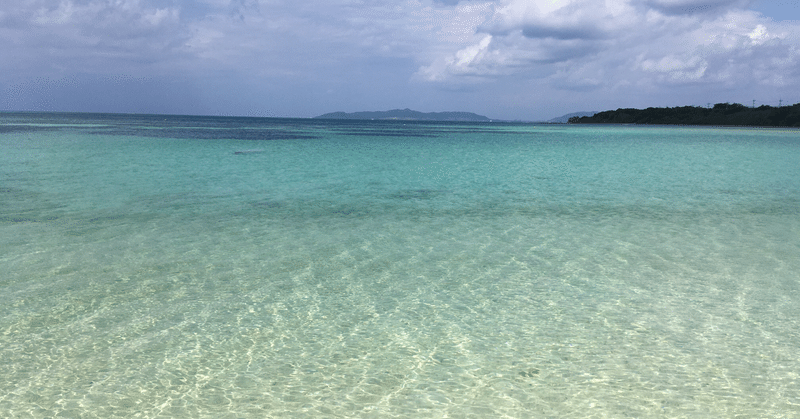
730	114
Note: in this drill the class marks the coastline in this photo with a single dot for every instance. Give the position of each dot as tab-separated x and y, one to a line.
722	114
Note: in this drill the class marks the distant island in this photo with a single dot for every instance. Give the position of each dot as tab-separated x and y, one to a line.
563	119
407	115
728	114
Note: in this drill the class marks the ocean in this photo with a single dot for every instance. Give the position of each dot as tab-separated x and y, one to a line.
186	267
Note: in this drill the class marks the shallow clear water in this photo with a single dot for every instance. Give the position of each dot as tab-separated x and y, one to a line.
234	267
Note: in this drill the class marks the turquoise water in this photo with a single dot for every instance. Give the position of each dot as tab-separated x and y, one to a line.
160	266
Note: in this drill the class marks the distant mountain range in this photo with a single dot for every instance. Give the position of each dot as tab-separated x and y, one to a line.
407	115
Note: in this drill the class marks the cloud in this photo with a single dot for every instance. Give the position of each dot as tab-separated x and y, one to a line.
676	69
597	44
689	7
57	39
576	19
317	56
259	47
119	19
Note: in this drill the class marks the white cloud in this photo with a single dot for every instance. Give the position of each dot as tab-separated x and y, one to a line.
676	69
381	51
83	15
470	55
617	43
759	35
158	16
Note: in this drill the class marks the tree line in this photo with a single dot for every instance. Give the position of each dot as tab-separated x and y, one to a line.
730	114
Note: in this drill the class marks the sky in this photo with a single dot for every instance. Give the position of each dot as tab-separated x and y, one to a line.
528	60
